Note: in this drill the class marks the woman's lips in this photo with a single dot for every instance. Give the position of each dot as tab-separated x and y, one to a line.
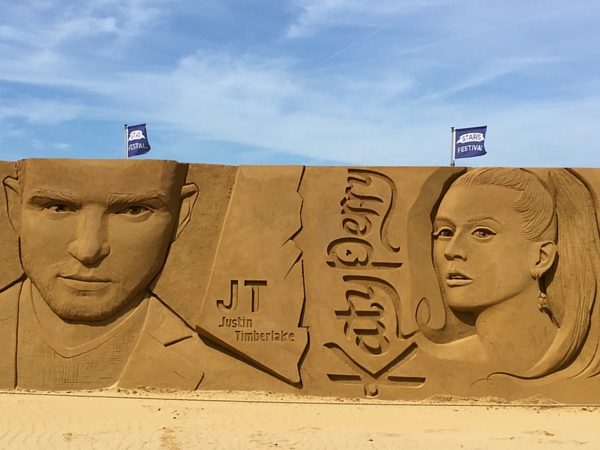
81	283
455	279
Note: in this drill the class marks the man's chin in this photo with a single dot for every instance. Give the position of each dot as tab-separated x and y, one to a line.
85	306
73	312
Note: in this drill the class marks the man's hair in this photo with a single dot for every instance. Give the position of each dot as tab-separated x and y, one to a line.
179	172
21	169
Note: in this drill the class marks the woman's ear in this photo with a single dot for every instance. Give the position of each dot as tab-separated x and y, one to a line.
547	255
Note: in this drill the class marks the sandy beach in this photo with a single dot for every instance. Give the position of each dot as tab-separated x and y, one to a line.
112	419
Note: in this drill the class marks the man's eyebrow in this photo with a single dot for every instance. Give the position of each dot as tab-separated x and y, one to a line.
43	194
145	197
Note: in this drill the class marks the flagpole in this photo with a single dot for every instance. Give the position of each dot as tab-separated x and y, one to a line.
453	134
126	154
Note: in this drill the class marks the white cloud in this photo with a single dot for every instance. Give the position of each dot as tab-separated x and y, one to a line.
44	25
266	104
42	111
316	14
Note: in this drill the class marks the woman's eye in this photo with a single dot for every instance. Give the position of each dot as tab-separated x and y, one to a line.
483	233
60	208
444	233
133	210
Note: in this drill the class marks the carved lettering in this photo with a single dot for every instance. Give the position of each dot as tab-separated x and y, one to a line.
366	209
369	336
357	225
387	376
373	193
350	252
238	322
265	336
255	285
371	320
233	296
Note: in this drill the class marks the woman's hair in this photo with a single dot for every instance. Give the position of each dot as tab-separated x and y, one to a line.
534	203
562	211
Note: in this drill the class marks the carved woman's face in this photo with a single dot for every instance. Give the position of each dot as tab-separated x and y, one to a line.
481	254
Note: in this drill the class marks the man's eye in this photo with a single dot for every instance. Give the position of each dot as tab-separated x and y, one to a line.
60	208
133	210
443	233
483	233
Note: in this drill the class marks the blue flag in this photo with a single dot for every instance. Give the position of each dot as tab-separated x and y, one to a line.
137	140
469	142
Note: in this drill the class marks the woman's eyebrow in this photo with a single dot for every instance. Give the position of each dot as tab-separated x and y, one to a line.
443	219
483	217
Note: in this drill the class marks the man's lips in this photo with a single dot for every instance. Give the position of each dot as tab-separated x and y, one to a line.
455	278
84	282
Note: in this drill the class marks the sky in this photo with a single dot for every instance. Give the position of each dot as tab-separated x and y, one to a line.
315	82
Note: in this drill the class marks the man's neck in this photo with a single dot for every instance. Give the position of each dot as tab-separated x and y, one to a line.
73	334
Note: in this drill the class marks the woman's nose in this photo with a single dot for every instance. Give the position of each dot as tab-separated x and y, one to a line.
455	248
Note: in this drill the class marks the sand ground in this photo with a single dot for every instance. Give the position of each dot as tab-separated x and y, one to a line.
221	420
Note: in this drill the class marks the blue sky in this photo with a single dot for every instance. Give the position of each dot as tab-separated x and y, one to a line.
302	81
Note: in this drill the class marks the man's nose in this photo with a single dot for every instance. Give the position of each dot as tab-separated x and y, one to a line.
90	244
455	248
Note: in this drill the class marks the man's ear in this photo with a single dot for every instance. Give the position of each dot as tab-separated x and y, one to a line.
12	189
546	258
189	194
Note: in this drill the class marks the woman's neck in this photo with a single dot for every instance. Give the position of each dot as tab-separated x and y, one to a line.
515	334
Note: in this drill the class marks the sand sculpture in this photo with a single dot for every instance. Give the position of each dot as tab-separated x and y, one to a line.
396	283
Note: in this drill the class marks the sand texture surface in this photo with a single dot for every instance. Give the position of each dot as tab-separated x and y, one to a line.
159	420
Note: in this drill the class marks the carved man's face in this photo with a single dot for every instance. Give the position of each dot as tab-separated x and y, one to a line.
93	234
481	252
